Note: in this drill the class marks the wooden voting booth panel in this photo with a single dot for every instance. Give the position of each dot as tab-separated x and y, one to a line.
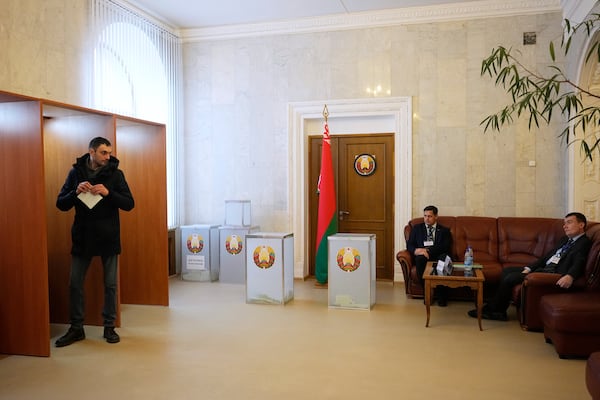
41	140
23	269
144	263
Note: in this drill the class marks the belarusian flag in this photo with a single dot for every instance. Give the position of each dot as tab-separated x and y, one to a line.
326	217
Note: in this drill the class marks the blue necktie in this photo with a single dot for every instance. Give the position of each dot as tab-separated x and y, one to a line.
551	266
565	247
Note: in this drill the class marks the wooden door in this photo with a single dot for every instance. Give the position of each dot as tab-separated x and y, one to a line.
365	192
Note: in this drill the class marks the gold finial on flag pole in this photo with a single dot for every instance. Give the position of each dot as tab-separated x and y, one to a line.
325	113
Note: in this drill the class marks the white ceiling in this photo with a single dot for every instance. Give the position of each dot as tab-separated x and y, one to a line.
190	14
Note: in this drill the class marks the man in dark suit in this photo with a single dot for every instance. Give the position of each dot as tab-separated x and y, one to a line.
430	241
567	259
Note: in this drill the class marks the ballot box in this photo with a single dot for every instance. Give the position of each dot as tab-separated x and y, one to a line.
351	271
269	267
238	213
232	253
199	252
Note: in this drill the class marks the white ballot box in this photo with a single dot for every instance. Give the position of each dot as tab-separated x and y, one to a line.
200	252
351	271
269	267
238	213
232	253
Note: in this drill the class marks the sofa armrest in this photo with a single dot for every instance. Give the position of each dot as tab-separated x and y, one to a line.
536	285
405	259
541	279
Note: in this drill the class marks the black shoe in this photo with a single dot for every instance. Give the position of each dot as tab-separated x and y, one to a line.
441	294
73	335
110	335
487	314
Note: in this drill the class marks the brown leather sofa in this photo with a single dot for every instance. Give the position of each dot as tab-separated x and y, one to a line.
572	322
508	241
592	375
496	242
538	285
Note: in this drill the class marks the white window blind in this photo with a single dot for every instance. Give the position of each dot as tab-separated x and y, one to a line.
137	71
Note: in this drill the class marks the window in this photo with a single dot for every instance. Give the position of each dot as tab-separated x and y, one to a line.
137	73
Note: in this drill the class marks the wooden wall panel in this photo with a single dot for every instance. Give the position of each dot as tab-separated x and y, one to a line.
24	320
144	268
66	136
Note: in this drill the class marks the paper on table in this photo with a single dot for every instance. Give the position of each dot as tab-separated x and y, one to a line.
475	266
89	199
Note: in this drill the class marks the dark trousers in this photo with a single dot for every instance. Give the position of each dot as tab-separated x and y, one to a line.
79	268
441	292
511	276
420	264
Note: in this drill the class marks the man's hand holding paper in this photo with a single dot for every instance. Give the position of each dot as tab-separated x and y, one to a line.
90	194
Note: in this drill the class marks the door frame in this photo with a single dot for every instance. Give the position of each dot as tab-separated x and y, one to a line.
376	115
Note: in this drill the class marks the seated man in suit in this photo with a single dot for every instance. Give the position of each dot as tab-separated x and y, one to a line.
567	259
430	241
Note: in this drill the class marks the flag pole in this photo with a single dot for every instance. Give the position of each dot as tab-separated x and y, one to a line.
327	210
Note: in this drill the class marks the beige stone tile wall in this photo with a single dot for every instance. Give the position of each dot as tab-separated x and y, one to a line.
455	165
237	91
45	51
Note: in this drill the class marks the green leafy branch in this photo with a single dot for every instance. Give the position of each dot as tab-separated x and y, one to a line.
540	96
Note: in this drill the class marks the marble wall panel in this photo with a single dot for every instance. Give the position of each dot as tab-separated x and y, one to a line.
436	63
46	49
236	94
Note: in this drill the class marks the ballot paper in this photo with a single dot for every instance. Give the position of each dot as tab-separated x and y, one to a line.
89	199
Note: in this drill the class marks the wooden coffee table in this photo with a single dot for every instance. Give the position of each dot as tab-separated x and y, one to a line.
456	280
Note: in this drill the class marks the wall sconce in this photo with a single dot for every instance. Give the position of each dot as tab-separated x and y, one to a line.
377	91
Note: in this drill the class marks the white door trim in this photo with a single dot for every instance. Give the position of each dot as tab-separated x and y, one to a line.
391	114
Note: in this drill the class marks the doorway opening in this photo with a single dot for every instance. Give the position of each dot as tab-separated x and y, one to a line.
379	115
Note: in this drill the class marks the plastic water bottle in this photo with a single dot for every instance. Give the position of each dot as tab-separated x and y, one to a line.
469	261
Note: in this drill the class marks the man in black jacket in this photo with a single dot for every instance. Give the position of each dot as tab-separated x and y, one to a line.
97	188
567	259
430	241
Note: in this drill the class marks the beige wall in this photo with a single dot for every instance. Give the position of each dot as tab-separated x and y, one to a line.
43	49
237	92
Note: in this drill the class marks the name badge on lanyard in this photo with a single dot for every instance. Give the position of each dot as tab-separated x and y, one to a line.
428	243
554	259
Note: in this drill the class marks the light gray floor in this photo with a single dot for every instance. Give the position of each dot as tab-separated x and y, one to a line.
210	344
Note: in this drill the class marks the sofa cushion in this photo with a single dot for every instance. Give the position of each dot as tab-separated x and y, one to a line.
481	233
520	245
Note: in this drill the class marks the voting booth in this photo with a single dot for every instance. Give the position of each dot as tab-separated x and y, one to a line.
200	252
269	268
351	271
